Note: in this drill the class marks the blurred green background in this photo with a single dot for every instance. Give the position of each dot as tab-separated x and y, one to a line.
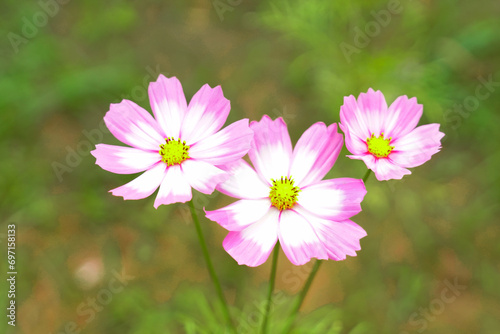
63	64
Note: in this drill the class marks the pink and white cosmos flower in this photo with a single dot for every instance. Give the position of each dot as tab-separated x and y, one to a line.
386	138
285	199
179	149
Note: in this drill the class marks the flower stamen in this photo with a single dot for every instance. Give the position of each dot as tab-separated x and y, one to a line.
174	152
283	194
378	146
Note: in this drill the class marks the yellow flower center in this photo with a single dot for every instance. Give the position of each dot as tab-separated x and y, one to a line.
174	152
378	146
283	193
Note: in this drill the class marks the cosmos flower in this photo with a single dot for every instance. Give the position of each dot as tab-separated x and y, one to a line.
285	198
386	138
178	149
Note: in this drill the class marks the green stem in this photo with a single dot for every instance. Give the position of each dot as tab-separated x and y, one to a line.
210	267
367	175
302	296
272	279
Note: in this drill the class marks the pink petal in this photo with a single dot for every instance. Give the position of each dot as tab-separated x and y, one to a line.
352	120
385	169
174	188
363	117
227	145
203	176
253	245
336	199
298	239
240	214
206	114
339	238
315	153
354	144
133	125
417	147
374	110
243	182
144	185
271	150
368	158
169	104
402	117
124	160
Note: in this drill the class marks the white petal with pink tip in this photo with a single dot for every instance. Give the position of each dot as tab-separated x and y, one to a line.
169	104
133	126
336	199
225	146
243	182
240	214
124	160
203	176
174	188
298	239
339	238
144	185
315	153
271	150
253	245
206	114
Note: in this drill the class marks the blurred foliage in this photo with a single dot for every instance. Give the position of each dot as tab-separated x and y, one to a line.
283	58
